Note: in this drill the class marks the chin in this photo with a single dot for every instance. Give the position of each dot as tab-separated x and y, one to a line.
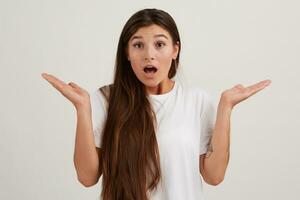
150	83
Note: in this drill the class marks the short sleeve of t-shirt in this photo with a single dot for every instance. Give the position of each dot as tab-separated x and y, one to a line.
207	120
99	114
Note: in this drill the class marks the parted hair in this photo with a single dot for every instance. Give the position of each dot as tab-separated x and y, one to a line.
130	155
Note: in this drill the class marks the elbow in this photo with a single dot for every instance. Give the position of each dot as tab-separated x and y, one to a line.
87	183
214	181
217	182
88	180
88	177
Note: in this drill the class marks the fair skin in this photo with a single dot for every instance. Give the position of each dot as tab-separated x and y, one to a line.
152	45
145	49
86	155
213	164
144	46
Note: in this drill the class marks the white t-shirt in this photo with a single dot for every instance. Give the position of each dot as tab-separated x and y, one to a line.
185	117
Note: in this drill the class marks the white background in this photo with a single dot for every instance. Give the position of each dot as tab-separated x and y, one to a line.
223	43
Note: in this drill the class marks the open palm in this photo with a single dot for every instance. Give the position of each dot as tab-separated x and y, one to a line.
77	95
239	93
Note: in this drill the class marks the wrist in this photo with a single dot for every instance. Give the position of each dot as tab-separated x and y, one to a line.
225	103
225	107
83	107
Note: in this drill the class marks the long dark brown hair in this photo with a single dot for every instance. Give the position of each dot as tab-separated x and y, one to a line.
130	157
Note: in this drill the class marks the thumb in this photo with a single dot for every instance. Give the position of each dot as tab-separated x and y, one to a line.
74	85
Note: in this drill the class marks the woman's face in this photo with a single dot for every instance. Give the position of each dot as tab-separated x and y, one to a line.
152	46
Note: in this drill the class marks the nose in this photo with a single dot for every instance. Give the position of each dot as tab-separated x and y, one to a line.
149	58
149	54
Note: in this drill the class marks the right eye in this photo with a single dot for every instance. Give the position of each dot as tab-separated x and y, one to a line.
138	45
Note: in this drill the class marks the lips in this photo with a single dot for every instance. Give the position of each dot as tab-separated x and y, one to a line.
150	69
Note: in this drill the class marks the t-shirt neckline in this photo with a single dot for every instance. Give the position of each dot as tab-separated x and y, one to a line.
164	95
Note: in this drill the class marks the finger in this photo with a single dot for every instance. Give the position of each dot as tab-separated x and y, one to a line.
258	86
239	86
74	85
55	82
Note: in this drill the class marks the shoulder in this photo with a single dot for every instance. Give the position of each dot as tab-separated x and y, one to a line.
202	97
105	90
197	92
102	91
100	96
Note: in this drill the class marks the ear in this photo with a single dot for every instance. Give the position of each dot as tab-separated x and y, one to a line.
176	50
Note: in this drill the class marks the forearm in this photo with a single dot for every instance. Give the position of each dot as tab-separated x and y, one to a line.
215	163
85	155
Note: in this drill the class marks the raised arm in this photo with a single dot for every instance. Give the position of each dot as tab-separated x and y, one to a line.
213	164
86	155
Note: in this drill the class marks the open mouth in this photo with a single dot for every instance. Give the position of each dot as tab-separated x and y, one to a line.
150	69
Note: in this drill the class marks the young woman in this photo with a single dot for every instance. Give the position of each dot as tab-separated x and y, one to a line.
149	136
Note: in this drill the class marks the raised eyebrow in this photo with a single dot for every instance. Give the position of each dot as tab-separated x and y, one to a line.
161	35
157	35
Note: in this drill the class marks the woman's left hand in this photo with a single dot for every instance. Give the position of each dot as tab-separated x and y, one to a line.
239	93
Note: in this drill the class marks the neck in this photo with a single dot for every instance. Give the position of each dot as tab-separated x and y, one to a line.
161	88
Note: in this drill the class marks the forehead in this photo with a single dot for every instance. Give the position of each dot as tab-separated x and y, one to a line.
151	31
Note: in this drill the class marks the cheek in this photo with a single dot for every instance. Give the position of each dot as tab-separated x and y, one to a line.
135	57
135	64
165	55
165	60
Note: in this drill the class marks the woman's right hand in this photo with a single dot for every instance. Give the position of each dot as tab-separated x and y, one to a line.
78	96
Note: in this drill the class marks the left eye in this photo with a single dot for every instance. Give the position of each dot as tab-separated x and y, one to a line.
160	44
